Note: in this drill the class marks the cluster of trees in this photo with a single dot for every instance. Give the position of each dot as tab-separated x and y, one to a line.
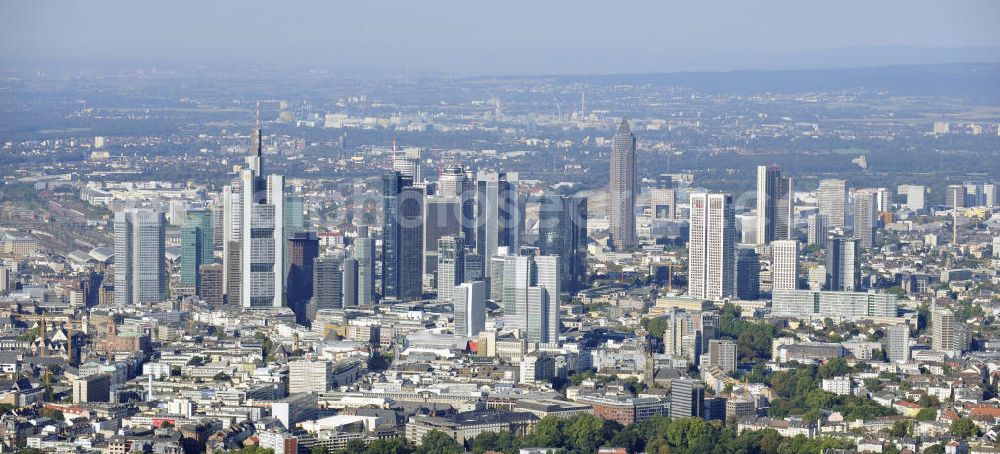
379	361
586	433
656	327
800	394
753	339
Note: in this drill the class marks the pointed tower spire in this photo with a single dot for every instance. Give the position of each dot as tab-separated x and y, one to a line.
624	127
258	115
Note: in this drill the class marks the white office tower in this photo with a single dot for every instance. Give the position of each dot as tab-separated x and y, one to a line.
817	229
663	203
407	162
914	196
832	197
531	296
469	300
990	195
944	336
785	272
898	343
364	252
884	200
775	205
450	266
262	276
866	216
712	246
232	234
140	257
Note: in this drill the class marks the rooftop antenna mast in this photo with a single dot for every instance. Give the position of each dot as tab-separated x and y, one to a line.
394	154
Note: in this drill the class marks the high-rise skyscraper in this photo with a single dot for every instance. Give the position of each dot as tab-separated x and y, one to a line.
543	304
914	195
210	290
818	228
499	215
232	233
455	181
955	196
232	272
327	283
832	198
295	220
450	266
621	197
884	197
140	257
944	336
407	163
402	236
687	398
262	259
747	274
364	253
843	264
217	210
722	353
898	343
349	293
712	246
442	218
866	216
197	246
990	195
303	248
775	205
663	203
974	196
531	296
562	231
785	269
469	300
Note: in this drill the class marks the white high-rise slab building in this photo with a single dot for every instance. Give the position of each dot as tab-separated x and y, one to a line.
785	272
914	196
898	343
712	246
866	216
817	229
832	198
531	295
469	301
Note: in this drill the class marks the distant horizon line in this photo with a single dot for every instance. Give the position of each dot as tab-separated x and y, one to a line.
787	63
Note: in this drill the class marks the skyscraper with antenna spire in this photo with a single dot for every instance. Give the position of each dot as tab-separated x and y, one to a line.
262	277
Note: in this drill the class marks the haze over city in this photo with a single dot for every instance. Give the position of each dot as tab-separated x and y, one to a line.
248	227
511	37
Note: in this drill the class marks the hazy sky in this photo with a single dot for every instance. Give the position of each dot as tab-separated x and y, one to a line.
500	37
